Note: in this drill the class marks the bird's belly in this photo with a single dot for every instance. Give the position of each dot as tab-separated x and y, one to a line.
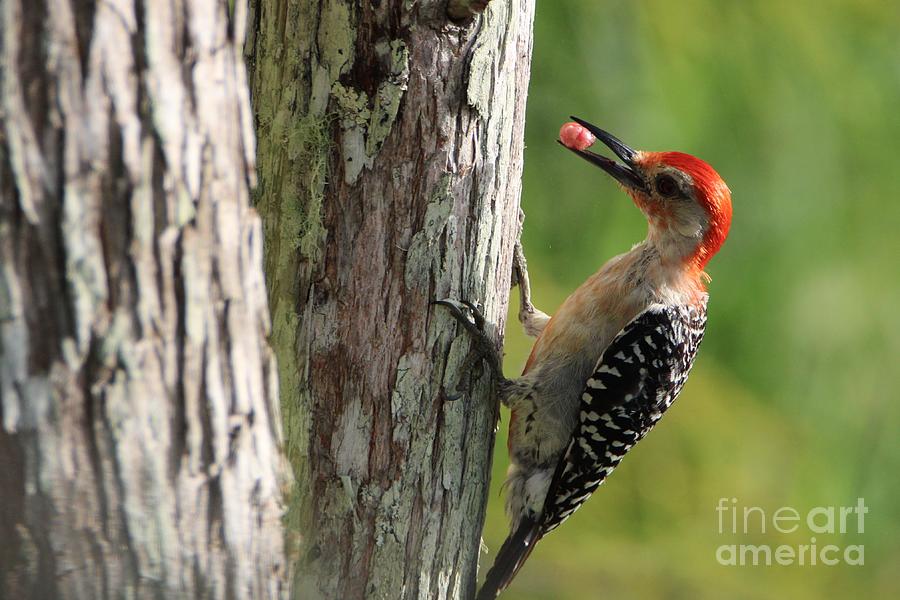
564	357
544	418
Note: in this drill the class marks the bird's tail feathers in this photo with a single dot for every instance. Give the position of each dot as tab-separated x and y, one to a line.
512	556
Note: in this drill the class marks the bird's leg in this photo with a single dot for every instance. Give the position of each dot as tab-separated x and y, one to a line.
532	319
484	348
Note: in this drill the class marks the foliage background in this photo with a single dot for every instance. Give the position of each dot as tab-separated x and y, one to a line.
794	397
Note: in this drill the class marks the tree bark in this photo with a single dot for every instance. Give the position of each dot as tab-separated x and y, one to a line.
390	159
139	446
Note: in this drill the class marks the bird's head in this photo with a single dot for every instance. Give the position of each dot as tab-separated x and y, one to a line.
687	204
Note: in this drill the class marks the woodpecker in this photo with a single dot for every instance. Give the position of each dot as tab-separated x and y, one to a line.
611	361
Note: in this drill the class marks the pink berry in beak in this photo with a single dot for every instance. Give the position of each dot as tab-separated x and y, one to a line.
574	136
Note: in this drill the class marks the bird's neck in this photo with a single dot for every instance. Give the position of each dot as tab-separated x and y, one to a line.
668	268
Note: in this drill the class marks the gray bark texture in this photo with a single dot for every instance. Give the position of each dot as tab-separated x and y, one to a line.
139	426
390	158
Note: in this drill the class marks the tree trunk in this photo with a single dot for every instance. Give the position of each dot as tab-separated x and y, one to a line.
390	160
139	446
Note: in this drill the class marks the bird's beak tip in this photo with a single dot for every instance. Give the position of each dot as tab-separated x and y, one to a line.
627	174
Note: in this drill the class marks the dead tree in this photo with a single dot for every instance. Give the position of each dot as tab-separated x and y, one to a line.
390	156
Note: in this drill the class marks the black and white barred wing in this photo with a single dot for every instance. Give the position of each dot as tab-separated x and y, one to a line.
636	379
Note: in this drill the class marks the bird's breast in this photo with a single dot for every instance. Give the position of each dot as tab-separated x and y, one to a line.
565	355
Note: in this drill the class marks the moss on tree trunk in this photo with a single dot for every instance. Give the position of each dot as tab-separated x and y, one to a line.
390	157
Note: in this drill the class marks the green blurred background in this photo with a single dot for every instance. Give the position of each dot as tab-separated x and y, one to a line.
794	399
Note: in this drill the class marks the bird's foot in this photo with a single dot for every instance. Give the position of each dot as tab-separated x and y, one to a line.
471	318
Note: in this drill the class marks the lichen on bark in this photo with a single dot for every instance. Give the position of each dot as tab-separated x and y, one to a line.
419	200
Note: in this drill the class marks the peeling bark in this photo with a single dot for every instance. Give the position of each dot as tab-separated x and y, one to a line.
390	164
139	445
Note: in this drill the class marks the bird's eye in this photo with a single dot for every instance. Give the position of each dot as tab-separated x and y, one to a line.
666	186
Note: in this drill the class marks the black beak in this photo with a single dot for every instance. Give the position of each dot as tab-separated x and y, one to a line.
626	174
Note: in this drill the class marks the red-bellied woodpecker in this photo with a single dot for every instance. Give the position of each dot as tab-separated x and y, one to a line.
613	358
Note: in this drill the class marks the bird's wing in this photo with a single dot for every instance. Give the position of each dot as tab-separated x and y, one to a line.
636	379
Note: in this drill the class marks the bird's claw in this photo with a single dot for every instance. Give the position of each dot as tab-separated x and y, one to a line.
455	307
477	315
469	315
452	397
